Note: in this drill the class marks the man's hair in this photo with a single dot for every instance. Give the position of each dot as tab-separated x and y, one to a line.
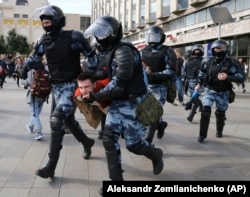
86	75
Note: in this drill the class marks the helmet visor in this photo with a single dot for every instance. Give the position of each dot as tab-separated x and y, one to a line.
46	10
100	29
152	37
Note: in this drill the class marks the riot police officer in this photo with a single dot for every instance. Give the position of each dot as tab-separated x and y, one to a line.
159	63
62	50
191	70
125	89
217	73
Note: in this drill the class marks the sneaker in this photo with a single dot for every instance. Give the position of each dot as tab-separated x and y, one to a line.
29	129
39	135
244	91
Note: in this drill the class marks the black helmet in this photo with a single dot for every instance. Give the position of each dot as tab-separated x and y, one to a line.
107	31
221	44
197	51
155	35
53	13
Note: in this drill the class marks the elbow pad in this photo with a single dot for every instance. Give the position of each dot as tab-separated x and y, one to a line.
124	57
204	65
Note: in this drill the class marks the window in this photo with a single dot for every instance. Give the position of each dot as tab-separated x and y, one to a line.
16	15
242	46
182	4
22	2
152	14
166	8
242	5
201	16
190	19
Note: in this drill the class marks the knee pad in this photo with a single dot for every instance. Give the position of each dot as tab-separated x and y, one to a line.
56	119
108	138
206	112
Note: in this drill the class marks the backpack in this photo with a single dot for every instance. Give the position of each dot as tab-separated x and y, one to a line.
40	85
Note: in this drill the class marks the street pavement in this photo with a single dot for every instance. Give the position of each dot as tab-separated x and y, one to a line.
226	158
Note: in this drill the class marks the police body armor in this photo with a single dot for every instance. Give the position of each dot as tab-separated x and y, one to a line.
193	67
212	80
60	57
154	60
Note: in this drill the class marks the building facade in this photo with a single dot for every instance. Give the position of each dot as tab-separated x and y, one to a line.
185	22
18	15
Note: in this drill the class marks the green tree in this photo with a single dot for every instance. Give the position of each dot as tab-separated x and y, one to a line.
17	43
2	45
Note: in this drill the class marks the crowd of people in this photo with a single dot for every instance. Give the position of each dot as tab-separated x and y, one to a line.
10	67
116	77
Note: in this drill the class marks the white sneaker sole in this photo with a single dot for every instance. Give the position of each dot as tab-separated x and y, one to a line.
38	138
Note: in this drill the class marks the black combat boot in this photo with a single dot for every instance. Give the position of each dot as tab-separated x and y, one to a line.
161	128
195	104
220	123
78	133
151	133
154	154
192	113
55	147
204	123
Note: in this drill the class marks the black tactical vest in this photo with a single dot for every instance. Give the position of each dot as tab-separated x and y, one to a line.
193	67
154	60
63	62
212	75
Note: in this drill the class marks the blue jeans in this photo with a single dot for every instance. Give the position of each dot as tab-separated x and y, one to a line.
179	89
36	107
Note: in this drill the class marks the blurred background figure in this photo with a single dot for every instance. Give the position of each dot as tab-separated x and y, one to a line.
191	71
179	72
18	68
246	70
